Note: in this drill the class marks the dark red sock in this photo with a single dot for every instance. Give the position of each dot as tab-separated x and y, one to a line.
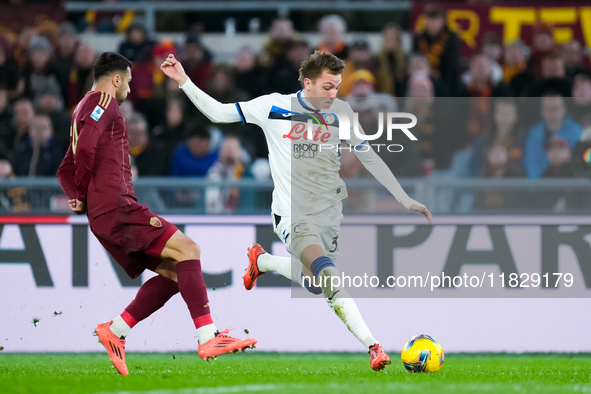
150	297
193	291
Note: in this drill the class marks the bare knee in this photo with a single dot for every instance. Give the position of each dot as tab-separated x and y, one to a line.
190	251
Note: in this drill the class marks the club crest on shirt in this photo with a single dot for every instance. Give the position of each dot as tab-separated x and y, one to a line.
97	113
155	222
329	118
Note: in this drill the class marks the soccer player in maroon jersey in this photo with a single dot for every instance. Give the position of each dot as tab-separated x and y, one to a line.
96	176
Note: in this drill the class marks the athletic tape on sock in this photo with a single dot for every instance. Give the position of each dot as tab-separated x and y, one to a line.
319	264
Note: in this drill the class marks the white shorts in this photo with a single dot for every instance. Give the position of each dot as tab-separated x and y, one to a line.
322	229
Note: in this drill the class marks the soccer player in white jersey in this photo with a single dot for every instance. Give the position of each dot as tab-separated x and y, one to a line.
306	208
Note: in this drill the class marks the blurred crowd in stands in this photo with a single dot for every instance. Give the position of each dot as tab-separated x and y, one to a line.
510	111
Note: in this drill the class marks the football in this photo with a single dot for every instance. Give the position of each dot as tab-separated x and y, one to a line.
422	353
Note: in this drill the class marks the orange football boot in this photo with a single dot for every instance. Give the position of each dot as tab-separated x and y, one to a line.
114	345
222	344
252	272
379	358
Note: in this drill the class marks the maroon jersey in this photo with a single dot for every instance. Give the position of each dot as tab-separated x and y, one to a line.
97	166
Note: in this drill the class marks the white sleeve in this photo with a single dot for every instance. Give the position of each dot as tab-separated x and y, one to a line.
210	107
376	166
256	111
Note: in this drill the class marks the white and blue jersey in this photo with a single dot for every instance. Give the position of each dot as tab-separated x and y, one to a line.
304	162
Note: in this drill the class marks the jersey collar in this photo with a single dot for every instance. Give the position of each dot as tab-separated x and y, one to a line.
305	103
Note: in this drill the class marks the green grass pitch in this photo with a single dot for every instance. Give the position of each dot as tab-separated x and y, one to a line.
185	373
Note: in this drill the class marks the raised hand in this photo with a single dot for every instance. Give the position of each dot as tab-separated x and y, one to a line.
174	70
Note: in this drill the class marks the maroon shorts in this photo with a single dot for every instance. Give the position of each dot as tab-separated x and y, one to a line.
134	236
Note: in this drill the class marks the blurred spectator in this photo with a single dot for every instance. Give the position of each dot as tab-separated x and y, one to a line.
493	51
480	89
231	166
363	83
572	55
169	134
127	109
481	82
249	74
363	88
65	56
497	163
492	48
9	68
360	58
553	78
582	155
48	101
505	134
22	44
38	155
6	169
81	79
272	55
419	66
285	79
261	170
333	28
39	66
437	144
134	172
147	77
543	45
222	87
392	74
197	154
137	47
560	163
107	21
146	156
12	134
149	85
5	109
515	71
159	54
197	61
372	108
555	122
581	102
440	45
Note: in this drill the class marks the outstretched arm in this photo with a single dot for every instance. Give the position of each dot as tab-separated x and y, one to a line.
376	166
210	107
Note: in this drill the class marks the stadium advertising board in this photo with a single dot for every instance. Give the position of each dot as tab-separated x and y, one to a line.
58	283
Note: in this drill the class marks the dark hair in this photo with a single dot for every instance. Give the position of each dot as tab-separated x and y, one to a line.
197	129
108	63
433	10
318	62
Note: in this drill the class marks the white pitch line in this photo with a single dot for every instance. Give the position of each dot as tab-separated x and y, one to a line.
405	387
211	390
